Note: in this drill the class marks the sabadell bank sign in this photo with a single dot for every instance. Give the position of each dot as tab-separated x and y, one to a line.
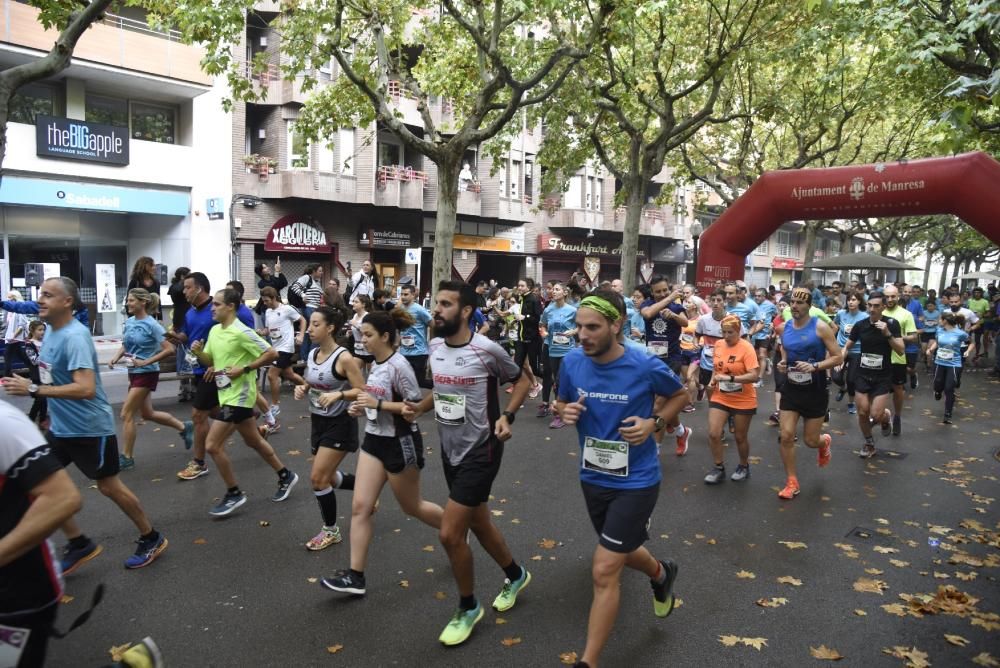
80	140
292	234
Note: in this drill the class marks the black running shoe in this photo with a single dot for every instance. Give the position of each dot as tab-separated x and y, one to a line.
947	419
346	583
914	383
663	597
840	394
897	425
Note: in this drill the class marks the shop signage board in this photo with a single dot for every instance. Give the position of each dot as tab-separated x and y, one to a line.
786	263
79	140
92	196
294	234
385	238
551	243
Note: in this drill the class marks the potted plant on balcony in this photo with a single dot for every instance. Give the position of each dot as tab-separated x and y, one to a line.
250	162
272	165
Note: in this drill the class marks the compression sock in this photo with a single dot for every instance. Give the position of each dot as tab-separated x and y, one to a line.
327	505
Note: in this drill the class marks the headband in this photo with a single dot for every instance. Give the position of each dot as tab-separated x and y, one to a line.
802	293
602	306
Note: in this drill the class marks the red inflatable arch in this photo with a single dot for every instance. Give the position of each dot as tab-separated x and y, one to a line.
967	186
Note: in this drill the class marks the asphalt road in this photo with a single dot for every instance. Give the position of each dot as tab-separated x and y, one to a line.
234	592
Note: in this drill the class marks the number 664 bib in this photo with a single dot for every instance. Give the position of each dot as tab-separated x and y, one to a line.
607	457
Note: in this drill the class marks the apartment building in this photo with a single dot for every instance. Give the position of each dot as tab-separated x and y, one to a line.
124	154
363	195
782	256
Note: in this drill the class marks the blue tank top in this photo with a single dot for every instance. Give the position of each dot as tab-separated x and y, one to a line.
804	345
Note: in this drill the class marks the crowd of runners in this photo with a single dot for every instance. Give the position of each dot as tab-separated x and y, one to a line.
620	369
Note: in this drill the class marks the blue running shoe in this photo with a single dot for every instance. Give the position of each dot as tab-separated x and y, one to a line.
188	434
147	551
229	503
72	558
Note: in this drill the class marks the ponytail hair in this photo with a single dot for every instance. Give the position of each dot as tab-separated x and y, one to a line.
150	299
389	322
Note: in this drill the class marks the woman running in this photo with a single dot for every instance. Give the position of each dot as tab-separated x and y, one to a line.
843	375
334	379
691	353
947	345
362	305
932	320
393	450
143	346
734	396
559	321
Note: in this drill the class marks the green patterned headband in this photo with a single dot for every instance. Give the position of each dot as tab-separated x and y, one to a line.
602	306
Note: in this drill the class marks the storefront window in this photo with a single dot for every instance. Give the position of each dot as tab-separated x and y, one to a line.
152	123
107	110
32	100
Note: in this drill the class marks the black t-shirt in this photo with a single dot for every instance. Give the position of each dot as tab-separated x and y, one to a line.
876	353
31	581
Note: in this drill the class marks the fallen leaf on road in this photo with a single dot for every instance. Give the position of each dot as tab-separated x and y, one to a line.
788	579
265	523
881	520
440	595
824	652
312	580
500	620
497	513
294	453
756	643
537	557
941	576
745	575
793	545
966	576
870	585
873	571
200	541
405	584
913	656
985	659
986	624
515	521
899	563
118	651
860	613
66	598
771	602
333	649
427	548
510	642
729	641
897	609
885	550
567	658
546	543
958	641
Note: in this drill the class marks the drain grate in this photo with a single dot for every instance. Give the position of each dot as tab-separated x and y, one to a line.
861	532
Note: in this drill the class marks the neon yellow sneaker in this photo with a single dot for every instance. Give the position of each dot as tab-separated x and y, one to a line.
460	627
663	592
507	597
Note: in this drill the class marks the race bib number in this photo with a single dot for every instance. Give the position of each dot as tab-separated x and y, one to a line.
658	348
359	349
408	341
560	340
871	361
129	361
222	380
687	338
371	414
847	329
45	373
709	352
314	396
191	358
800	377
606	457
512	334
726	386
449	408
13	640
945	354
275	333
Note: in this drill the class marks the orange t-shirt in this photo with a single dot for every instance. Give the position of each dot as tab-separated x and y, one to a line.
736	360
689	339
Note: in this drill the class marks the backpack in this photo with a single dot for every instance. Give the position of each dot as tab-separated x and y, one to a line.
295	292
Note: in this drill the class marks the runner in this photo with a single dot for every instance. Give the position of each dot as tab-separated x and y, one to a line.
609	392
912	349
735	375
245	315
763	340
664	317
82	427
843	375
393	450
362	305
747	313
143	346
879	337
527	349
691	352
36	497
559	321
197	323
900	361
232	353
981	307
808	350
331	371
279	322
932	317
413	339
467	370
709	328
950	345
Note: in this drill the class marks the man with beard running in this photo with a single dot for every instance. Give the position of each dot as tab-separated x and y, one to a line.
610	392
900	364
467	369
808	350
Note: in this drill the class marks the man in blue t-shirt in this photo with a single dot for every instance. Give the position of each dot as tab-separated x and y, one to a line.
747	313
82	427
611	392
912	351
413	339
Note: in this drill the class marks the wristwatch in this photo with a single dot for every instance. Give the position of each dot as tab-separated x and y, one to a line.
246	370
659	423
33	391
509	416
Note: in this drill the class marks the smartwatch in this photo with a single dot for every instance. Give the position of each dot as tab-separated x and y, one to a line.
33	391
659	423
246	370
509	416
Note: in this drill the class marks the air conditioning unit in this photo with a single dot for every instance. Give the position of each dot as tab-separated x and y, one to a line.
263	41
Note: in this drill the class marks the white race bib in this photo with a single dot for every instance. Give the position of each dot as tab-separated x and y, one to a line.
408	341
800	377
607	457
687	338
359	349
371	414
945	354
45	373
658	348
449	408
191	358
727	386
847	329
871	361
314	396
709	351
222	380
13	641
275	333
129	361
560	339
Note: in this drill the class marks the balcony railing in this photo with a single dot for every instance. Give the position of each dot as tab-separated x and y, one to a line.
265	77
388	173
135	25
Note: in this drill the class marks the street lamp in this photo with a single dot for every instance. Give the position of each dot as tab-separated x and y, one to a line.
692	271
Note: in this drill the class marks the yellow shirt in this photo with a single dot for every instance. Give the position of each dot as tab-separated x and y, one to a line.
906	327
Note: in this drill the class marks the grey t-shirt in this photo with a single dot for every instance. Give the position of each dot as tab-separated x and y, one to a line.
392	380
323	378
466	391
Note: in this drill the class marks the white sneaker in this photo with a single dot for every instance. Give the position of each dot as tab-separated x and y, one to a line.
275	410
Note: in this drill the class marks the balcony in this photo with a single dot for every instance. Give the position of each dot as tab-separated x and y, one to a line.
116	41
400	186
302	183
275	89
655	222
469	201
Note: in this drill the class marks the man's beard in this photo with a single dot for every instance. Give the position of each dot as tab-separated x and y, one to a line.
447	328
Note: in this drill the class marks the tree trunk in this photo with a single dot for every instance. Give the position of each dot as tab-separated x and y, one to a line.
845	247
447	219
944	275
630	237
810	230
927	265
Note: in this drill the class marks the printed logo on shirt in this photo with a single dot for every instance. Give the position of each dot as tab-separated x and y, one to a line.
459	361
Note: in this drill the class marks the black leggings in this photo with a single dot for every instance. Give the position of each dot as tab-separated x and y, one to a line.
844	379
550	377
947	379
531	351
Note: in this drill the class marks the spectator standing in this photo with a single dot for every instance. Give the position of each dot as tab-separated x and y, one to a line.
14	335
306	294
142	277
269	279
181	306
363	282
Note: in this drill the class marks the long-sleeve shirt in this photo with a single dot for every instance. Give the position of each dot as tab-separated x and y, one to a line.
31	308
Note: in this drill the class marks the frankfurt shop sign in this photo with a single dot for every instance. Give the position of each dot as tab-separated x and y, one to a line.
80	140
293	235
